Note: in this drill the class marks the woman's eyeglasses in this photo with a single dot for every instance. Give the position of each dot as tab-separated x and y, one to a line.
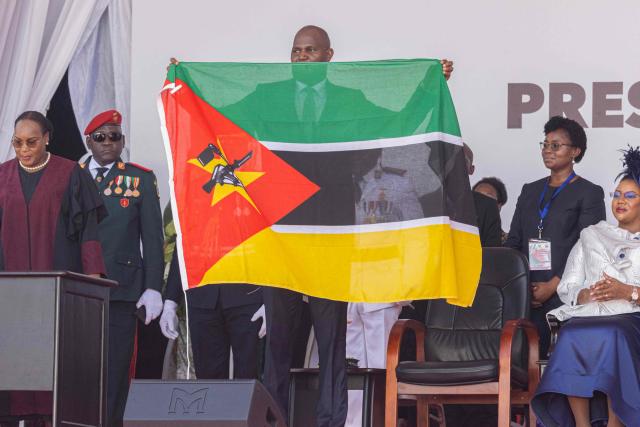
102	136
630	195
31	143
553	146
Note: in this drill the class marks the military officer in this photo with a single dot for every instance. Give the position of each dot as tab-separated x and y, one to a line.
386	195
130	194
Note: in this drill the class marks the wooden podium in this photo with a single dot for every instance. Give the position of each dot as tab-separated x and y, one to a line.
53	337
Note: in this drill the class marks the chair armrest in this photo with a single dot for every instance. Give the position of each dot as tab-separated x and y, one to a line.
554	327
506	345
395	340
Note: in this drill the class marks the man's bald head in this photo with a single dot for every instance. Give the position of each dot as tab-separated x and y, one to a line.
311	44
317	32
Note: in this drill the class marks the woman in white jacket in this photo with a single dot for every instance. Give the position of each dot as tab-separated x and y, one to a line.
597	357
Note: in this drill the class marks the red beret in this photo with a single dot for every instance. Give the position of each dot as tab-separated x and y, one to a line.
109	116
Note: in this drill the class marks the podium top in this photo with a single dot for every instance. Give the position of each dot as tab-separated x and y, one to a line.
64	274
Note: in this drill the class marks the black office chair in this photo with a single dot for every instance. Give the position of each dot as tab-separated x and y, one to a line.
471	355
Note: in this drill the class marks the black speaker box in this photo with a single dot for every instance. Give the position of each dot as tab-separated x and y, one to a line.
211	403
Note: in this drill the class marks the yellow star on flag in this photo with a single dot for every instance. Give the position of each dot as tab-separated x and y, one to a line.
222	191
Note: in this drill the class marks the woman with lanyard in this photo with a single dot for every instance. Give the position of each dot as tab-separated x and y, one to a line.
551	213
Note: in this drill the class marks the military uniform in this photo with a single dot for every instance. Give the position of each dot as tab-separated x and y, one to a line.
130	194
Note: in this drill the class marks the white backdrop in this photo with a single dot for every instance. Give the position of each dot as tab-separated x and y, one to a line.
493	43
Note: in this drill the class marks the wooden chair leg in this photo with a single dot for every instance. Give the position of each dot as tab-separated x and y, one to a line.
504	410
422	409
391	409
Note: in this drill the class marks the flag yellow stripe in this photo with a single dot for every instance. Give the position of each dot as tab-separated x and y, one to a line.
433	261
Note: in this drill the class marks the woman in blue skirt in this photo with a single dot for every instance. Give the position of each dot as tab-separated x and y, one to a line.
593	376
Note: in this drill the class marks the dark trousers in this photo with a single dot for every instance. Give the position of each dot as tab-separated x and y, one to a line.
539	318
122	331
215	331
329	318
150	351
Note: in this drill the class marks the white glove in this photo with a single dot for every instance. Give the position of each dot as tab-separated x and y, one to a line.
260	315
169	320
152	301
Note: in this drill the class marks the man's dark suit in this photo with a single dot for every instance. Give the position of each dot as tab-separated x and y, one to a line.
131	221
219	319
284	307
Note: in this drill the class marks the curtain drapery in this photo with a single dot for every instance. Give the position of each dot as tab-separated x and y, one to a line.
100	70
40	39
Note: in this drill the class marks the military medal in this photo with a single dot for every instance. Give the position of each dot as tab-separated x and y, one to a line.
127	185
107	191
119	180
124	202
136	183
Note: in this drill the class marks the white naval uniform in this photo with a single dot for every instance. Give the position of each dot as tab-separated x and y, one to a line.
387	196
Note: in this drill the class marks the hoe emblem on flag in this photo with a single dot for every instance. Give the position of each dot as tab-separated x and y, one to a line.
212	159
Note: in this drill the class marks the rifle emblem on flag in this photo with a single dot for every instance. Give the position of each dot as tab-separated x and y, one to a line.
222	174
225	178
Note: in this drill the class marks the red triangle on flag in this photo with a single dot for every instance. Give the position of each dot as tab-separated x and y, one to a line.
251	188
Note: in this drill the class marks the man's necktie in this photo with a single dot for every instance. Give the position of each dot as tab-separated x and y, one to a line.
309	105
100	174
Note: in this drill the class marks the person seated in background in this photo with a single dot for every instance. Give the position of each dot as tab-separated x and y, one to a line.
597	351
489	224
550	214
494	188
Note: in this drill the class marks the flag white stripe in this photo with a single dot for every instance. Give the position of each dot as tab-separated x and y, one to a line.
363	145
373	228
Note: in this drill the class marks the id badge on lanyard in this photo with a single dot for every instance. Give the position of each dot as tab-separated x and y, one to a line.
540	249
539	254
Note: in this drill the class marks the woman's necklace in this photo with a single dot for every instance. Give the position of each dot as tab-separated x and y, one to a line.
37	168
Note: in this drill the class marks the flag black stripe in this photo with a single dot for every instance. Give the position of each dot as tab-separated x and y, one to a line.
399	183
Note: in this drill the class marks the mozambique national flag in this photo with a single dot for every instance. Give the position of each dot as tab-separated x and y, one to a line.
344	181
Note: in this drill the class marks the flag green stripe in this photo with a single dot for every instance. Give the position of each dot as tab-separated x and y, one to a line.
355	100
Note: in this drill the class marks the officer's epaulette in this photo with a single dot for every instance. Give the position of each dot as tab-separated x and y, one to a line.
394	171
135	165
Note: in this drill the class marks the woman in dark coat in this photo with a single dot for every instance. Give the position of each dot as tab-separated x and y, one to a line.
49	214
551	213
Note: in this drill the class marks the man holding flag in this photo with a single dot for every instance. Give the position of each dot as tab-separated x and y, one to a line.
266	168
313	93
